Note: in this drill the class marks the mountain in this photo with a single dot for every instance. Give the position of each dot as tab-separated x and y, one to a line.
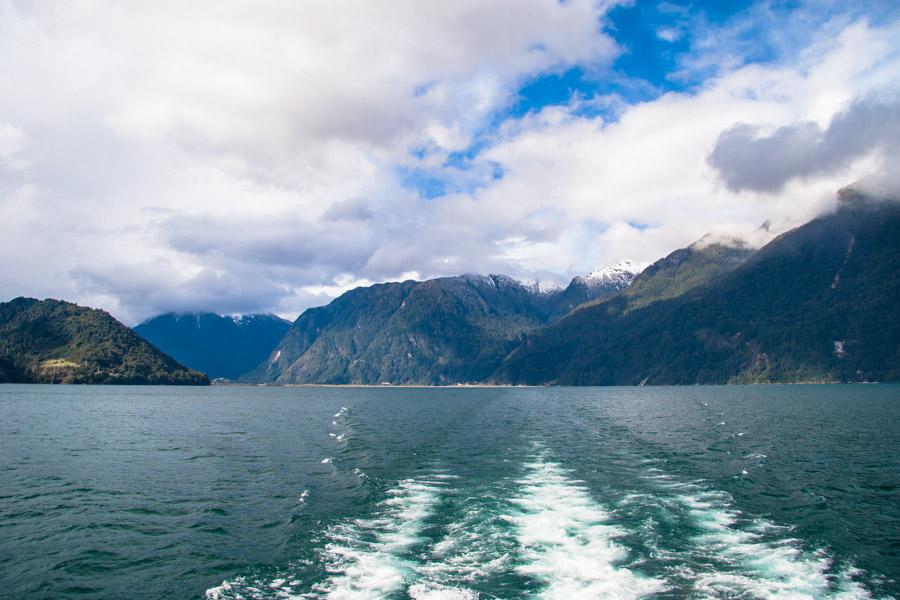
220	346
600	284
686	269
49	341
818	303
439	331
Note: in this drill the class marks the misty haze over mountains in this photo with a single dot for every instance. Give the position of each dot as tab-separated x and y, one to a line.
450	300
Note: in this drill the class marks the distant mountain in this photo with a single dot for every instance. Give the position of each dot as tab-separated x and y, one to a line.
439	331
49	341
818	303
220	346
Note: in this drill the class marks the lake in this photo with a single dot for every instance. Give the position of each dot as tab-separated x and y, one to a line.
317	492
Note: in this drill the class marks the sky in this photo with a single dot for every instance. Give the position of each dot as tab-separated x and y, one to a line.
267	156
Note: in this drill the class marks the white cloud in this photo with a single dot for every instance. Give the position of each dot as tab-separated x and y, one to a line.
12	143
669	34
650	167
246	156
243	120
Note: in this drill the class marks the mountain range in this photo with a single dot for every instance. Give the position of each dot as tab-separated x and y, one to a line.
439	331
818	303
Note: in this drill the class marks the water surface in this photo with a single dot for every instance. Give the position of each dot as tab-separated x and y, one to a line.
245	492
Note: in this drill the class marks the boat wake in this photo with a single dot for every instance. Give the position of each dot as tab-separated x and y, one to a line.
734	555
541	534
365	558
567	541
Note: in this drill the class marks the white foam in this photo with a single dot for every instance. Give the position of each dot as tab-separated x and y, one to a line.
365	556
762	562
567	542
219	592
423	592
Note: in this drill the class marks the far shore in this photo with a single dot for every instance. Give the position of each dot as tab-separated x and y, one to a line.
509	385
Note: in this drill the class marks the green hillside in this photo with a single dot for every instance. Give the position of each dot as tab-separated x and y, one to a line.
440	331
51	341
819	303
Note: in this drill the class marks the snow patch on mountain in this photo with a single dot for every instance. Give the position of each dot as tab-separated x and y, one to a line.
616	276
498	281
543	287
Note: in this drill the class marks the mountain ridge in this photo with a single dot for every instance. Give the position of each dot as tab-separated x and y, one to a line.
444	330
818	303
220	346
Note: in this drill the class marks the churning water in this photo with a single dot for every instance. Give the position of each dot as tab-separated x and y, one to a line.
358	493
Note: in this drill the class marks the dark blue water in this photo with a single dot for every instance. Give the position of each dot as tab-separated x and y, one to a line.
243	492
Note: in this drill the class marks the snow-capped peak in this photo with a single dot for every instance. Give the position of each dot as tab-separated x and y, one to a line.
618	275
494	280
543	287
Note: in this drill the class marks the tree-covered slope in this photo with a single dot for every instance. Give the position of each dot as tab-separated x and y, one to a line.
686	269
51	341
819	303
450	330
323	341
440	331
219	346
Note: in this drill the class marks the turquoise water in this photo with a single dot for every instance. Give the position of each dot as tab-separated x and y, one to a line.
243	492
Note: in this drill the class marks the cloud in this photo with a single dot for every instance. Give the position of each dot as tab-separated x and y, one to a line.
352	209
669	34
12	143
747	159
263	157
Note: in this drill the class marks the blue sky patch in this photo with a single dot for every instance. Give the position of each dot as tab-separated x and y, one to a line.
666	46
